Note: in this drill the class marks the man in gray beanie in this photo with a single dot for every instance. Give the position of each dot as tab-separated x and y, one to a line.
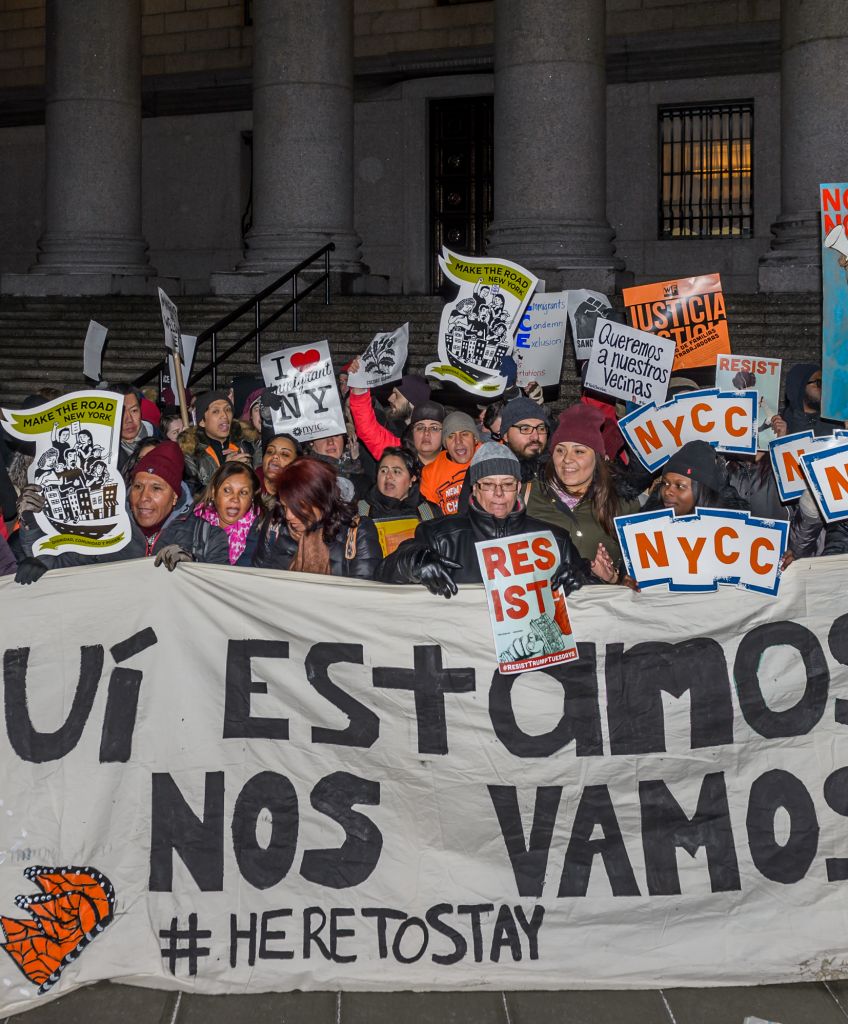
442	553
442	479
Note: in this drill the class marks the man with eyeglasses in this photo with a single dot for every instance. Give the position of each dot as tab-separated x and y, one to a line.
803	403
442	552
525	429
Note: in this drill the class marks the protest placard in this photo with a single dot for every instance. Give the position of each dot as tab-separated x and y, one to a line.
304	400
77	441
628	364
477	328
92	350
584	308
530	623
834	264
188	344
725	420
786	452
827	474
741	373
383	360
389	811
690	310
170	322
540	340
700	551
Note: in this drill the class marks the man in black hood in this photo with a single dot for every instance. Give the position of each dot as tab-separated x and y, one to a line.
803	402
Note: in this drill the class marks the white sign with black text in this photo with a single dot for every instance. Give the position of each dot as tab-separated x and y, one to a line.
305	401
628	364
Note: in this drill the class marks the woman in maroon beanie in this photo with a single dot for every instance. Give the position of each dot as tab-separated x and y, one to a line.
577	491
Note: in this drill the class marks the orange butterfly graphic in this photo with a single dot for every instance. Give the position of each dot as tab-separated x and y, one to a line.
74	905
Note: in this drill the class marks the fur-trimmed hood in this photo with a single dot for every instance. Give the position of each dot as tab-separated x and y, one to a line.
194	441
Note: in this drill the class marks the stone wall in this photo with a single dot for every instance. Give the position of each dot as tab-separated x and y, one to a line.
21	42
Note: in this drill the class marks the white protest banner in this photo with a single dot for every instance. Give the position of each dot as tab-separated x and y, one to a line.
92	350
698	552
725	420
540	339
287	776
188	344
628	364
383	360
530	622
827	473
584	308
477	328
304	401
77	440
786	452
170	322
741	373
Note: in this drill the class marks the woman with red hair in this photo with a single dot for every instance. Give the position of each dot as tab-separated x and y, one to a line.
312	529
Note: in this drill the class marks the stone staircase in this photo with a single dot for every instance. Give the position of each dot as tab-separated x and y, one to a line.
41	340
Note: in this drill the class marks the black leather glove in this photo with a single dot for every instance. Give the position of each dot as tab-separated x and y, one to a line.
433	571
171	555
568	577
30	570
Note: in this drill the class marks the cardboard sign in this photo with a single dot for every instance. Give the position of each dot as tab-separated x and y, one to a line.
584	308
188	343
743	373
305	400
725	420
834	218
393	532
170	322
786	452
690	310
77	439
477	328
700	551
530	623
540	339
92	350
383	360
827	473
628	364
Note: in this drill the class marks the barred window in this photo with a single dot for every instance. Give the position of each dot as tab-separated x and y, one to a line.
706	164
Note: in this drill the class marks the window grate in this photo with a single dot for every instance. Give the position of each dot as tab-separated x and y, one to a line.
706	187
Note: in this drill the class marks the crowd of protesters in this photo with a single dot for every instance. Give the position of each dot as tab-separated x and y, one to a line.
405	493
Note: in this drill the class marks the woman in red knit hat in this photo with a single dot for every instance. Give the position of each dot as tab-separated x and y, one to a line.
577	491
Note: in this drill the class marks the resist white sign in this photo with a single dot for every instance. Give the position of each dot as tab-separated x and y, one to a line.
628	364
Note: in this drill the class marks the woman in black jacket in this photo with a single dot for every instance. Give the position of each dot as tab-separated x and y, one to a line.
394	503
313	530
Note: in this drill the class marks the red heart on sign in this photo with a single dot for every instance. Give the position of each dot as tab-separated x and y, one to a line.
300	360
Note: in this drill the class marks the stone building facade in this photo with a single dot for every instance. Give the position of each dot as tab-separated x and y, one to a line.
211	143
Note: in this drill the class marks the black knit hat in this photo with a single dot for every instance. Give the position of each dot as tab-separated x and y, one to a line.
206	399
429	410
697	460
521	408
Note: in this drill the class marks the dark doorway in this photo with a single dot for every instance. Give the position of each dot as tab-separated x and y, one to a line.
461	177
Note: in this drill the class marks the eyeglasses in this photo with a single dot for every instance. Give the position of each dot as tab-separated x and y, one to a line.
526	428
487	487
421	428
815	380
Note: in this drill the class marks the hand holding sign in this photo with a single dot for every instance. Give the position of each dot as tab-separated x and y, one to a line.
382	362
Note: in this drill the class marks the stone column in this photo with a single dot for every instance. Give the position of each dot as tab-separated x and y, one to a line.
93	142
302	135
550	142
813	122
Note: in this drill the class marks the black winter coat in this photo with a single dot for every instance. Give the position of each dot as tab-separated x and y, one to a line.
755	484
354	552
454	537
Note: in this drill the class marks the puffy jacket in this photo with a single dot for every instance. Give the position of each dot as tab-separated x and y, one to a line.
755	484
454	537
354	552
204	542
383	511
203	455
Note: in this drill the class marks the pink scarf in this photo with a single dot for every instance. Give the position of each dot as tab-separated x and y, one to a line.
236	532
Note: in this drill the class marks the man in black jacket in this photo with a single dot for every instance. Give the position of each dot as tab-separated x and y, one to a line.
442	552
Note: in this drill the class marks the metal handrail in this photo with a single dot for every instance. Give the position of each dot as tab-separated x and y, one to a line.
259	324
